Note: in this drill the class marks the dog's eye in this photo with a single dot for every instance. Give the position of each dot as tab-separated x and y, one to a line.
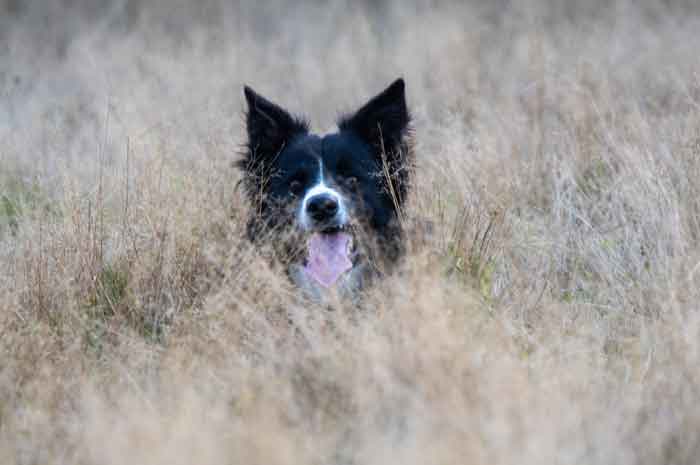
295	186
351	182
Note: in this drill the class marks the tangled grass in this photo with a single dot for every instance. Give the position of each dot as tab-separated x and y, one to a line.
546	311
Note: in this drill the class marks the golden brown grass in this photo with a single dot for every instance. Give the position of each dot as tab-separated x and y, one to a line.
546	312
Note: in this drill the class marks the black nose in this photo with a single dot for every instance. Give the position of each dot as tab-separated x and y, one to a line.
322	207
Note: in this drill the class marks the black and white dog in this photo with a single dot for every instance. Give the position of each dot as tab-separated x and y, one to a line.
331	205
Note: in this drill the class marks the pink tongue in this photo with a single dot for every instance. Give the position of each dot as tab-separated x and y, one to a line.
328	257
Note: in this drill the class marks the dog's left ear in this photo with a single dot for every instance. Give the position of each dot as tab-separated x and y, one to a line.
383	121
270	128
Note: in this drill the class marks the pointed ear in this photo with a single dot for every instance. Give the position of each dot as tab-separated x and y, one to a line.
383	121
269	129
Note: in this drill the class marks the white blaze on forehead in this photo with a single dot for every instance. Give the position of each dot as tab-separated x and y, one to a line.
317	189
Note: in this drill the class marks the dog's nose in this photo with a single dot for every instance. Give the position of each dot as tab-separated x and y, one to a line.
322	207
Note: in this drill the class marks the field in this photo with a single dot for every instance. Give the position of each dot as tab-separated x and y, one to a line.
546	313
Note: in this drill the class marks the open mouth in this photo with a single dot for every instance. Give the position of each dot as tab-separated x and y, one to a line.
330	254
334	229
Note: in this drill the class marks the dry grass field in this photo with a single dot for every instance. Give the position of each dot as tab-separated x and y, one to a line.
547	315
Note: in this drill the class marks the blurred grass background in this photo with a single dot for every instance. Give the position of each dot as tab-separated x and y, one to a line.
549	317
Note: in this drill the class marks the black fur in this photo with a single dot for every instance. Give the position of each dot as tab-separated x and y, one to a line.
368	160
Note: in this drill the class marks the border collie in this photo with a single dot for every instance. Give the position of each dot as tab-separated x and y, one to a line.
331	205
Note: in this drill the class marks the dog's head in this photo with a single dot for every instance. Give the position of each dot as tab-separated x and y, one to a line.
333	202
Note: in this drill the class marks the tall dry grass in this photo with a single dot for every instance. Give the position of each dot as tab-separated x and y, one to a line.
548	314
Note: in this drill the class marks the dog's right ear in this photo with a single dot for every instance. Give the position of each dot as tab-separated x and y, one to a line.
383	122
269	129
